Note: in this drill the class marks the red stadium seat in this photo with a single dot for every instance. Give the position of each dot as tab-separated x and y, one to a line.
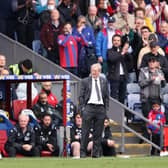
46	153
18	105
3	139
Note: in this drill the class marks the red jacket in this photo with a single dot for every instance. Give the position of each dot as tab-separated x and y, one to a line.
52	99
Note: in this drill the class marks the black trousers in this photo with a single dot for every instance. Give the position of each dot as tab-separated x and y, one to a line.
12	151
93	115
155	140
118	88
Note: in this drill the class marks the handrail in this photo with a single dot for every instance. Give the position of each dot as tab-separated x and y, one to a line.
124	126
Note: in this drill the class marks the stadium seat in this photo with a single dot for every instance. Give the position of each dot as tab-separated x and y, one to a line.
36	45
133	88
46	153
3	139
18	106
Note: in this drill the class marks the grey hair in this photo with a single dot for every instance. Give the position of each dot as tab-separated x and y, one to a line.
98	66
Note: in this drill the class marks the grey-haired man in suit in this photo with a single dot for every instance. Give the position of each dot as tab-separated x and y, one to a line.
94	102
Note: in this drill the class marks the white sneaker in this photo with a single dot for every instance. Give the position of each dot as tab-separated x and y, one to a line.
76	157
0	156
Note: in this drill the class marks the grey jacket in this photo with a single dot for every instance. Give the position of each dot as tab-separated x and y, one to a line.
150	88
85	92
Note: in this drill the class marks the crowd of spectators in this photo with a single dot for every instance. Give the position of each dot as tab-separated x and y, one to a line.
129	38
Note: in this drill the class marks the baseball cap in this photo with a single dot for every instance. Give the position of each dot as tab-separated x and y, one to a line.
111	19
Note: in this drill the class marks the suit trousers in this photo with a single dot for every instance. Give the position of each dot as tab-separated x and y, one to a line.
92	116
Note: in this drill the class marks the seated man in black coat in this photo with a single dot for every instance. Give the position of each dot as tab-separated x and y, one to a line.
108	145
46	136
21	139
42	107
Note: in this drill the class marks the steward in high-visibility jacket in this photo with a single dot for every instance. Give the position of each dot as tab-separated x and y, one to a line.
22	68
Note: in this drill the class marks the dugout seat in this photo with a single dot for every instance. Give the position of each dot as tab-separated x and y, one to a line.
18	106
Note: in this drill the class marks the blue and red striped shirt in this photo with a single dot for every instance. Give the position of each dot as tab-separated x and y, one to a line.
157	118
68	49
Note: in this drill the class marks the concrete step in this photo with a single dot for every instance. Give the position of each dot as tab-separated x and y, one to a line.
116	127
135	149
130	138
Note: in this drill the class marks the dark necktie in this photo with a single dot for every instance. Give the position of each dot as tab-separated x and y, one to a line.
97	90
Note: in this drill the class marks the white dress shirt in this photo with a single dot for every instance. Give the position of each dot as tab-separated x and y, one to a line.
94	98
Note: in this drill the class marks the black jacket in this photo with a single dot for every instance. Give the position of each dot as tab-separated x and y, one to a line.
106	135
114	58
16	137
46	135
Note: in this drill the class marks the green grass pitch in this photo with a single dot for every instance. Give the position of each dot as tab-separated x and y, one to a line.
137	162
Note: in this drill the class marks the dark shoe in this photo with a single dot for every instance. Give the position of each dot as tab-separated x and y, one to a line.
95	156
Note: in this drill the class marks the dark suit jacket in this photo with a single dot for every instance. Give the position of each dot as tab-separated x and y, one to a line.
85	92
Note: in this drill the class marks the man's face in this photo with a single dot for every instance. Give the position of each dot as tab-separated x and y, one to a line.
47	121
117	41
47	85
145	33
43	98
139	14
124	8
164	28
68	29
78	120
54	15
152	64
154	50
92	11
111	25
23	121
95	72
154	2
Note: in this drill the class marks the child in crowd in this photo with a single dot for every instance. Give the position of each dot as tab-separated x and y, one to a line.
157	117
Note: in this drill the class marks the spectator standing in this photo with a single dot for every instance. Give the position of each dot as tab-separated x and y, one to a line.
25	17
147	39
157	117
104	42
93	20
68	49
157	11
123	18
117	70
49	34
46	136
21	139
69	12
151	80
163	37
94	101
163	63
86	51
